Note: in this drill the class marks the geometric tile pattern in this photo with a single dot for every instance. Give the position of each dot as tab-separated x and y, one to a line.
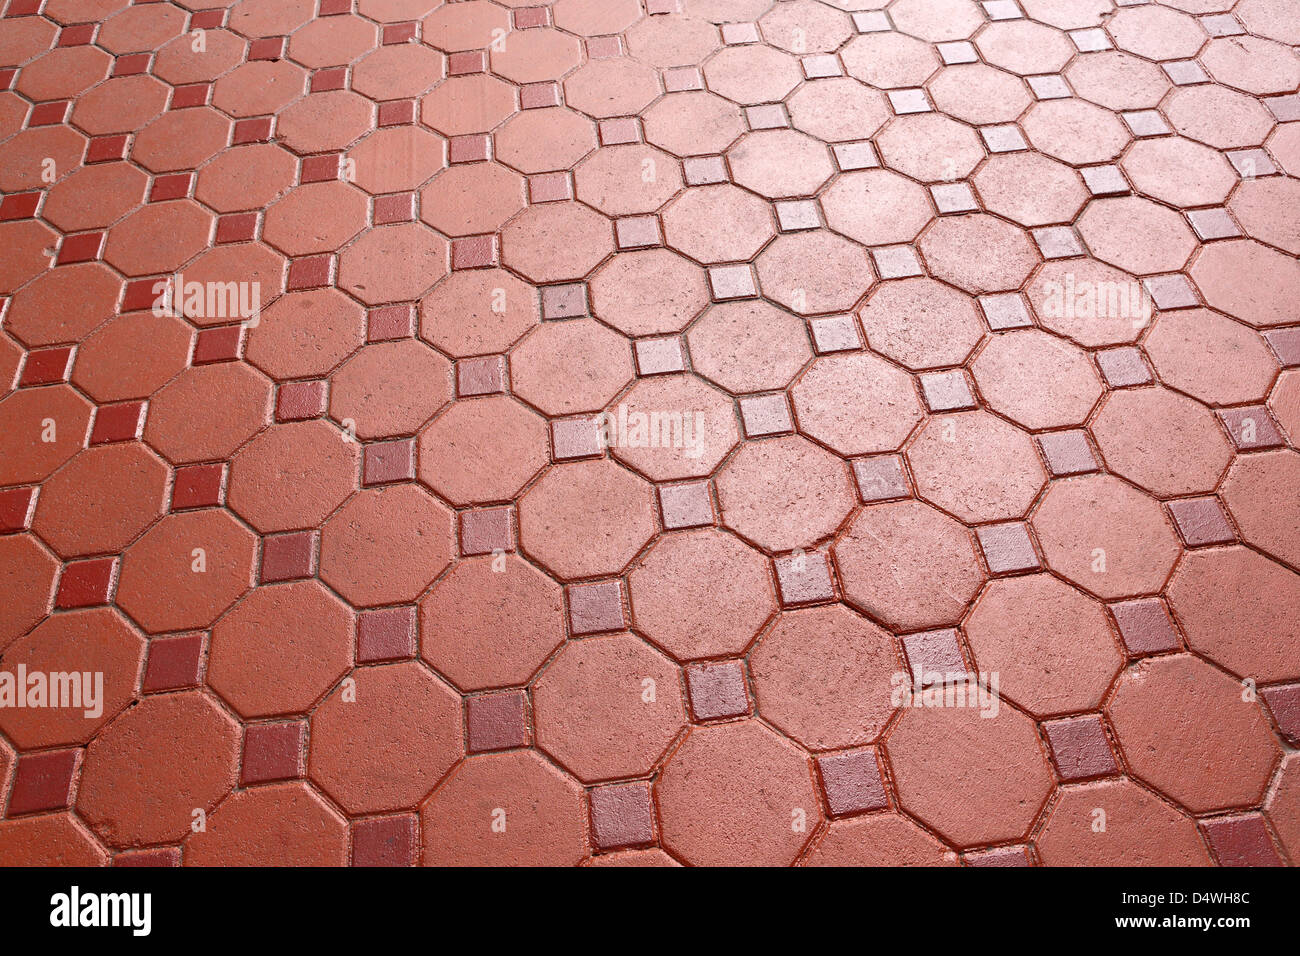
626	432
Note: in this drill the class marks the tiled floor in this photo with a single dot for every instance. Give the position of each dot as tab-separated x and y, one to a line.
936	337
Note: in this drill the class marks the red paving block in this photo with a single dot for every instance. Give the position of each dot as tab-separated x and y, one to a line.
960	317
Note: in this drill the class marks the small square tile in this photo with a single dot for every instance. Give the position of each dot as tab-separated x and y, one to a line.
953	198
16	507
1080	748
1003	139
1092	40
717	690
1285	344
389	461
1146	123
853	782
622	816
852	156
388	634
737	33
1209	224
43	781
567	301
934	657
484	375
197	486
527	18
312	272
686	505
819	66
1284	704
1123	366
222	344
46	367
1007	548
20	206
289	557
1006	310
191	95
1241	839
946	391
1221	25
765	415
385	841
602	48
86	583
48	114
804	578
896	262
486	531
1144	626
1251	163
80	34
1185	72
550	187
659	356
117	423
905	102
475	252
1251	428
871	21
273	752
767	116
387	323
467	62
397	113
237	227
330	79
1104	180
497	721
470	148
266	48
835	333
1285	108
1049	87
257	130
86	247
704	170
1002	10
596	608
732	282
573	438
619	131
1170	291
682	78
637	232
1058	242
653	7
537	96
1201	521
299	401
176	186
211	19
400	207
1068	453
959	51
174	663
881	478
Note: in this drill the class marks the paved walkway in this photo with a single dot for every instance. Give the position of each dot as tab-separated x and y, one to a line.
812	431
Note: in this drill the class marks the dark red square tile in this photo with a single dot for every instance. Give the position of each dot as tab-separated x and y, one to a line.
1251	428
1144	626
330	8
1241	839
319	169
469	61
389	322
266	48
596	608
48	114
114	423
312	272
43	781
162	856
237	227
329	79
103	149
191	95
385	841
473	148
1201	521
853	782
486	530
299	401
485	375
86	247
397	113
46	366
600	48
16	507
398	33
197	486
528	17
222	344
288	557
1284	704
19	206
1080	748
497	721
207	19
387	634
87	583
175	186
717	690
475	252
389	461
273	752
804	578
536	96
622	816
257	130
174	662
1286	345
